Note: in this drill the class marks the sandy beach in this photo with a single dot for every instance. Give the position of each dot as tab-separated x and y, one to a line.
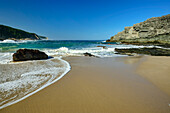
105	85
157	70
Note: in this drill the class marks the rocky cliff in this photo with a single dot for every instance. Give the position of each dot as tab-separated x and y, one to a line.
153	30
7	32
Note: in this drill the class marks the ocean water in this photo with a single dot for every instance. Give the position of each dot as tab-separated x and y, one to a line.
59	48
22	79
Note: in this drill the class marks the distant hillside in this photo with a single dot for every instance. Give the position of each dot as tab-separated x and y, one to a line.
7	32
153	30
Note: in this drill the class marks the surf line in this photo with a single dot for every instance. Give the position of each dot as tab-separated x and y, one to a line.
68	68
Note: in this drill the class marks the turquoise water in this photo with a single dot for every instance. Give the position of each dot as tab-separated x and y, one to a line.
48	44
60	48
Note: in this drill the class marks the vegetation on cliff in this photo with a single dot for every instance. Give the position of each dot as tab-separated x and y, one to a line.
155	30
7	32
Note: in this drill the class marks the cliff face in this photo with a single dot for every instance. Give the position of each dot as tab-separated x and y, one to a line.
153	30
16	34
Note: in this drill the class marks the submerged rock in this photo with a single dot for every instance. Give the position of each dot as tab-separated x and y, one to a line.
29	54
104	47
149	51
89	54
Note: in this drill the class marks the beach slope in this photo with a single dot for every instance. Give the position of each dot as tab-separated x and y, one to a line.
100	85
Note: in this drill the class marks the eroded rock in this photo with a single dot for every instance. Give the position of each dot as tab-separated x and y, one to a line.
104	47
90	55
148	51
156	29
29	54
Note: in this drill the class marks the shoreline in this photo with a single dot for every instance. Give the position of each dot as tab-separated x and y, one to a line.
98	85
46	84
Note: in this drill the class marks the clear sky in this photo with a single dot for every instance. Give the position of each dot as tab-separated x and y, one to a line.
79	19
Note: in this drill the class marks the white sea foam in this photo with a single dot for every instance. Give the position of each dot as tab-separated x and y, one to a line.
8	41
18	41
24	79
5	57
98	51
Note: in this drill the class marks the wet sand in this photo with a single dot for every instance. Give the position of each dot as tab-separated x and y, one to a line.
100	85
157	70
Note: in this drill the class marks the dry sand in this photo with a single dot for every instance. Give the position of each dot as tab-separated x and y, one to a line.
102	85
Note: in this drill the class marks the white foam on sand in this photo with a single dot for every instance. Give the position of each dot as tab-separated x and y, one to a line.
24	79
109	51
5	57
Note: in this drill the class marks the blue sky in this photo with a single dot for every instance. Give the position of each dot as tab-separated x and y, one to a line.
79	19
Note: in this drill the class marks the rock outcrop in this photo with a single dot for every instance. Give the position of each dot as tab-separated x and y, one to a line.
154	30
90	55
148	51
29	54
104	47
7	32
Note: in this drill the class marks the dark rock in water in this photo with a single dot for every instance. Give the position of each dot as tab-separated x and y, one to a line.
108	40
104	47
149	51
29	54
155	43
89	54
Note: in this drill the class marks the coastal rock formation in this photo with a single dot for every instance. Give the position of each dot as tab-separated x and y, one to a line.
153	30
29	54
148	51
104	47
7	32
89	54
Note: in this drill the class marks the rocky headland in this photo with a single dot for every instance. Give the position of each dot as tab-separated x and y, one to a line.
7	32
153	31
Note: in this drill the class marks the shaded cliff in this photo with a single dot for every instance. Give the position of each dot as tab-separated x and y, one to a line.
155	30
7	32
